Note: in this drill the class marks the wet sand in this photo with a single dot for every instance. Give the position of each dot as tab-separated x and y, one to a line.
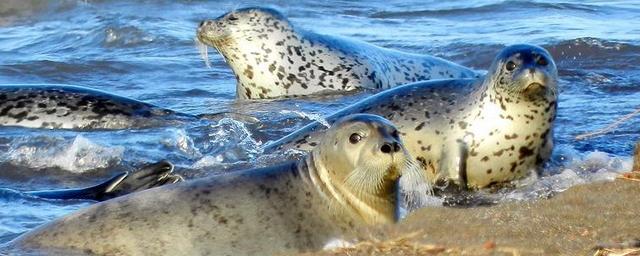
636	159
574	222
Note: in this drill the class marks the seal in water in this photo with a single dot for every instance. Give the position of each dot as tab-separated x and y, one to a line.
73	107
475	132
347	181
149	176
272	58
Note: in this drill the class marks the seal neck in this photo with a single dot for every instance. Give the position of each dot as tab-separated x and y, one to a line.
343	202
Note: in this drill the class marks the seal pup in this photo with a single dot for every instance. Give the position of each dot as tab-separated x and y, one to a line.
272	58
149	176
73	107
474	132
348	181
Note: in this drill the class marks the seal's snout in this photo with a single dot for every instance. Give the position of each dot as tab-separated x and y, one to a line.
390	147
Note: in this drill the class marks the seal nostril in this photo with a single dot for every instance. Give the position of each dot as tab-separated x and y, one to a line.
386	148
201	23
396	147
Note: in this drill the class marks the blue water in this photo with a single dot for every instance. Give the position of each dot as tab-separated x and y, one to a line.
145	50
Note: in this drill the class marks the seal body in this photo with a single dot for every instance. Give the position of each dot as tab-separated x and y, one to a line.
271	58
345	183
474	132
73	107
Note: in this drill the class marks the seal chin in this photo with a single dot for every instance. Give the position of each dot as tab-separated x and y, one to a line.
211	39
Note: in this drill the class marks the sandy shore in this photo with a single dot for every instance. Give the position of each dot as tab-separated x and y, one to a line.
575	222
592	219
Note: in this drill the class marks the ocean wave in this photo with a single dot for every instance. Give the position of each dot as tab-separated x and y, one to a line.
588	52
530	7
584	52
127	36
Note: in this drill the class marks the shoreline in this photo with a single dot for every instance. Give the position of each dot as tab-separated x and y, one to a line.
589	219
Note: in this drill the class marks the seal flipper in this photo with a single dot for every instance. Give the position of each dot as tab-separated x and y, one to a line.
149	176
454	164
92	193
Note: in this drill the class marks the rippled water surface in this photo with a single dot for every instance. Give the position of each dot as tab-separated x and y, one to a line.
145	50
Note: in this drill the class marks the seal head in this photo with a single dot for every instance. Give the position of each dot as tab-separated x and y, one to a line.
362	158
239	24
525	70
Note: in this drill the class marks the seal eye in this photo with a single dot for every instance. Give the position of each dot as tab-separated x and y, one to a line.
542	61
355	138
510	66
232	18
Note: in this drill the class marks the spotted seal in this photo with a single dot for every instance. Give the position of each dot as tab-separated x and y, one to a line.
73	107
348	181
272	58
475	132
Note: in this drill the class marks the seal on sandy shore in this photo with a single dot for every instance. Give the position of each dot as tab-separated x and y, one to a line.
475	132
149	176
272	58
73	107
347	181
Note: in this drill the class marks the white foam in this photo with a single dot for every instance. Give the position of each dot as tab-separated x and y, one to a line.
77	156
576	170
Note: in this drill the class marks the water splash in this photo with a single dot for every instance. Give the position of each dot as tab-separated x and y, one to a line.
314	117
230	141
77	156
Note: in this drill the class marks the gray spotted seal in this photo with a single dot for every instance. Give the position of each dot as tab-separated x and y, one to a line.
272	58
475	132
74	107
348	181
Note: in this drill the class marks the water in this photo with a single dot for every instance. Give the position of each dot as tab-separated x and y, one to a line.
145	50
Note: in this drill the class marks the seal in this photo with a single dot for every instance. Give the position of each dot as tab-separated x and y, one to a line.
272	58
149	176
348	181
73	107
474	132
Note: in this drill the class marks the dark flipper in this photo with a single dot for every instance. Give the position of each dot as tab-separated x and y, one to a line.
149	176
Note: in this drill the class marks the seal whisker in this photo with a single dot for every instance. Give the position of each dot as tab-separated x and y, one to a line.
203	49
414	185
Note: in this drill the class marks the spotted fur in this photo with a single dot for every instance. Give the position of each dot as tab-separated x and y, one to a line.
278	210
272	58
500	125
71	107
